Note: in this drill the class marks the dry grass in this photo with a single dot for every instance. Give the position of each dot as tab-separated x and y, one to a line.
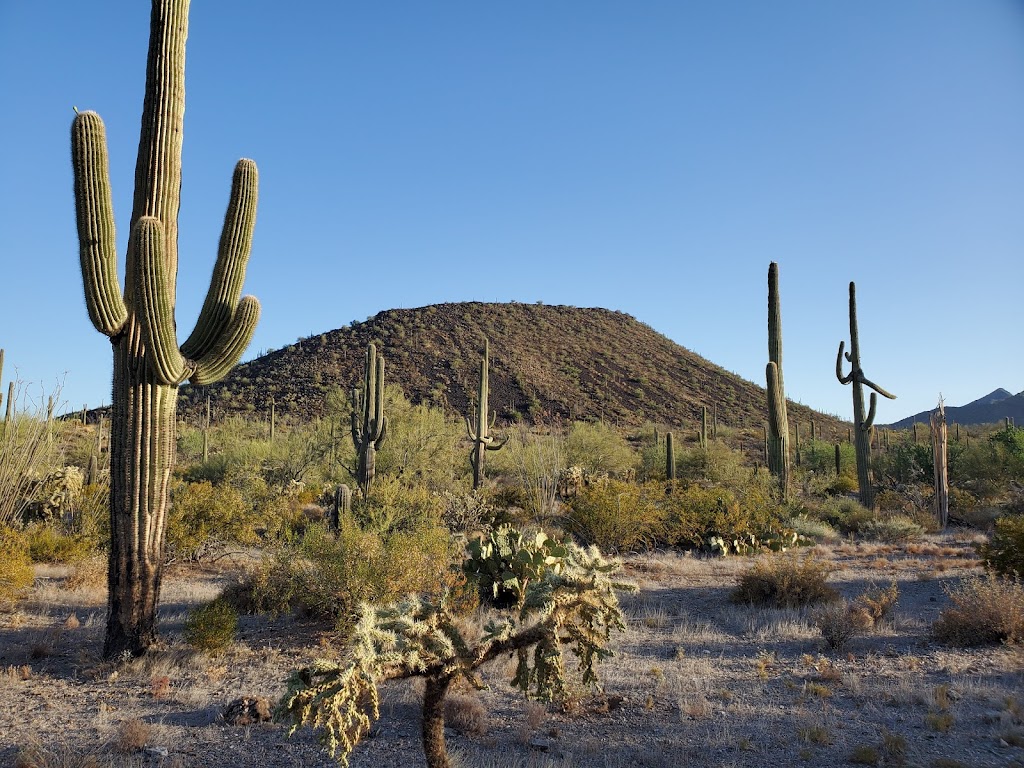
984	610
466	714
785	581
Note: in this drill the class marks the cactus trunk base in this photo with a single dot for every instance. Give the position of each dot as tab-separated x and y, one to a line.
142	452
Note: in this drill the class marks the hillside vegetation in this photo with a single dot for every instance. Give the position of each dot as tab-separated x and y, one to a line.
546	362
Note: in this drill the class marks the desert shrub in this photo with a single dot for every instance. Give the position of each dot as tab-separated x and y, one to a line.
1004	552
842	485
328	575
617	516
598	448
717	464
892	528
203	517
812	528
844	514
396	506
983	611
467	513
51	542
712	517
16	576
211	627
785	581
840	622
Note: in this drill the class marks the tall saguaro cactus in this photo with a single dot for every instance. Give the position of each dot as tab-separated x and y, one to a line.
861	424
778	419
482	441
369	424
139	320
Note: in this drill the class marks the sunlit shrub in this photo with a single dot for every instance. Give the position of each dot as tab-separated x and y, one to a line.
1004	553
617	516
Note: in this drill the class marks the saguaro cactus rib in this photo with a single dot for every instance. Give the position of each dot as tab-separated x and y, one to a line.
148	365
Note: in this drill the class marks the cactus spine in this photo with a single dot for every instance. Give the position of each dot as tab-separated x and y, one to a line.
862	424
482	441
369	424
670	458
778	419
139	320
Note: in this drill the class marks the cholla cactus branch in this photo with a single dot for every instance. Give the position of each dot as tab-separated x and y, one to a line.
574	608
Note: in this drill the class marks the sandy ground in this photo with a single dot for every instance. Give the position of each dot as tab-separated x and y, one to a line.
696	681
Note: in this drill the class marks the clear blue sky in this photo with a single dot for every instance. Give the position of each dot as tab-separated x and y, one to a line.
651	157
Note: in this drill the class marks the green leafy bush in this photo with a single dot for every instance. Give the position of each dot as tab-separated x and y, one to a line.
617	516
16	575
1004	552
204	517
212	627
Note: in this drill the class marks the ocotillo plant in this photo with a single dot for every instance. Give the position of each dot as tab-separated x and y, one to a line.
670	458
862	424
482	441
140	322
369	424
778	419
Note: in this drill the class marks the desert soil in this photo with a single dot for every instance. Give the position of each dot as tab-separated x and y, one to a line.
695	681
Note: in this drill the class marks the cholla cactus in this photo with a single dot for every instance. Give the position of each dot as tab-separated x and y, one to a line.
139	320
575	608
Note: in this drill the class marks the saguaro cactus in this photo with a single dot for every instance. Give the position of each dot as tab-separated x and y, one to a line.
670	458
861	424
778	419
369	424
482	441
148	364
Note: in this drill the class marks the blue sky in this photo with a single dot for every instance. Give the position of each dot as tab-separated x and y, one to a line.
651	157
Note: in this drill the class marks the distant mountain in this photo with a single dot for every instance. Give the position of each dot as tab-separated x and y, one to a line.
993	407
547	362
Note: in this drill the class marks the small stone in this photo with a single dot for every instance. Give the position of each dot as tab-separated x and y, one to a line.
540	744
157	751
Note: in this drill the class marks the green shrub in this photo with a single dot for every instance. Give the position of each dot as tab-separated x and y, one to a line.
785	581
16	575
892	529
983	611
598	448
204	517
49	543
1004	553
211	627
617	516
700	517
328	576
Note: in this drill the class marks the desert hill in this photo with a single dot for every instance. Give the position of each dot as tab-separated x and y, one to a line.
547	362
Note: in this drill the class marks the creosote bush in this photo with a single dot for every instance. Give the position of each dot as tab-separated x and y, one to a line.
785	581
983	611
1004	553
212	627
16	575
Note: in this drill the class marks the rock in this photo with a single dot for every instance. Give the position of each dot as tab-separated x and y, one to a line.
247	710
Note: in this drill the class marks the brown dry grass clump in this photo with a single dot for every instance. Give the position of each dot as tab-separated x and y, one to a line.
785	581
984	610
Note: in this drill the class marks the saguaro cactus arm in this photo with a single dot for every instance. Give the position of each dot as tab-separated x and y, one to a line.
94	209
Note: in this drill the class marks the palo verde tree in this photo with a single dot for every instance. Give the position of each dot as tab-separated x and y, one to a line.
778	420
139	320
482	441
861	424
